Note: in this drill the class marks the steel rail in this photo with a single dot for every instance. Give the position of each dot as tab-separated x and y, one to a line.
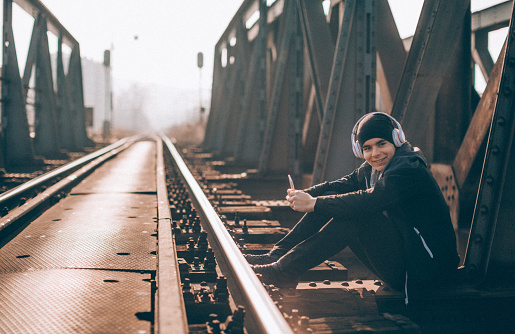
265	317
60	171
170	315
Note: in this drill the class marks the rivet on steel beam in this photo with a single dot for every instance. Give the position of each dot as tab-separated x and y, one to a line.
327	282
483	209
501	121
506	91
495	149
478	238
511	61
312	284
489	179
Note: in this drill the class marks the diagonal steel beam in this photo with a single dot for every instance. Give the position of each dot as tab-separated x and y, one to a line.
490	248
17	144
426	66
479	124
391	54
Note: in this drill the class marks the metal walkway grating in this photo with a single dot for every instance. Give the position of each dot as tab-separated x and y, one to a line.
87	264
75	301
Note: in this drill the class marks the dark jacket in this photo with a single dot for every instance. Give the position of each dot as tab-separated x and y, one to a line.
409	196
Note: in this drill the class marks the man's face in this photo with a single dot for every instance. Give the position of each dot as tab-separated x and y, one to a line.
378	152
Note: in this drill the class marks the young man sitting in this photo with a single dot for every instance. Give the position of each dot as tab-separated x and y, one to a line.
390	212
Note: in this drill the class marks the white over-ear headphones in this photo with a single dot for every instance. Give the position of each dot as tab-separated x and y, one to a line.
398	136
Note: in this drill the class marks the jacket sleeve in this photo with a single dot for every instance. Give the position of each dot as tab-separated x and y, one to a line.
348	183
391	190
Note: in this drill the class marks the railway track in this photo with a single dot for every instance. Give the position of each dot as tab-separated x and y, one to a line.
95	251
140	237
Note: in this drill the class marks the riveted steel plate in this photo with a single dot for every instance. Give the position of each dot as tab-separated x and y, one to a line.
97	227
85	264
110	231
75	301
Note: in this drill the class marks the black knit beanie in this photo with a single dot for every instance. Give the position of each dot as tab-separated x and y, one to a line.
375	126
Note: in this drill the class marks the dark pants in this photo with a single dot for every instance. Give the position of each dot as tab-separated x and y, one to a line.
375	241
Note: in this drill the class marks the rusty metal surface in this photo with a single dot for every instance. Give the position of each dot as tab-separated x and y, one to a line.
91	231
85	265
74	301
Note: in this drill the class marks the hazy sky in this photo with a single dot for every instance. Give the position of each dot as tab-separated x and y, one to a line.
154	40
157	41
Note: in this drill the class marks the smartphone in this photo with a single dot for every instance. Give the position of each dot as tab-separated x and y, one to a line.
291	182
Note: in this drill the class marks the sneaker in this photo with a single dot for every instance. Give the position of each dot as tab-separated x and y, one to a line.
271	274
261	258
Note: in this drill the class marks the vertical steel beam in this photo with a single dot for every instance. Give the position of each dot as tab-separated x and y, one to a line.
276	119
248	114
490	248
251	127
295	105
215	110
426	66
262	78
351	91
76	91
64	107
46	139
17	144
237	85
453	109
225	102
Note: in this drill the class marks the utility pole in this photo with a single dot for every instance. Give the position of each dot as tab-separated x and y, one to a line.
200	64
108	114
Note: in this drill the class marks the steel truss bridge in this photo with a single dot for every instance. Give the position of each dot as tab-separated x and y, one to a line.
291	78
